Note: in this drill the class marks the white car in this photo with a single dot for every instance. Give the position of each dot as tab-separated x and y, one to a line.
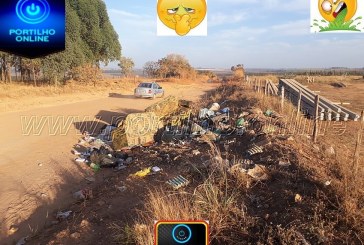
149	90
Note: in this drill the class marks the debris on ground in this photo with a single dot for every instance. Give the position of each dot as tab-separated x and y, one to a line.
298	198
63	215
83	194
142	173
156	169
178	182
22	241
258	172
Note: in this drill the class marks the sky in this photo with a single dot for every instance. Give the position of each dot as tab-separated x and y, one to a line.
257	33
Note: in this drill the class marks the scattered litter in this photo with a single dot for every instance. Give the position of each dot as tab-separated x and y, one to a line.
284	163
75	152
129	160
95	167
121	188
22	241
83	194
327	183
40	164
206	113
254	150
215	107
268	113
196	152
81	160
240	122
298	198
178	182
225	110
119	167
63	215
13	229
142	173
259	172
156	169
90	179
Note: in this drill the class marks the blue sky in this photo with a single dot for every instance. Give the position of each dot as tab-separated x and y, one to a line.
256	33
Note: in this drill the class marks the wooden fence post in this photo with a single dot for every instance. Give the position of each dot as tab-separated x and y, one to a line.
299	104
315	127
282	98
358	145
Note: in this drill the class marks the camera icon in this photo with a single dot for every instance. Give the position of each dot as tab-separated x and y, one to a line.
181	233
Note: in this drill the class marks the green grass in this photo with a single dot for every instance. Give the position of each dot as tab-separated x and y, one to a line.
339	24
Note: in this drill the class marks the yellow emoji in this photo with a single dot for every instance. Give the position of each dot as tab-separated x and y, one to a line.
330	9
181	15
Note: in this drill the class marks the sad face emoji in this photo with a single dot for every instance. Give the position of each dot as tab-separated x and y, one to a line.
181	15
331	9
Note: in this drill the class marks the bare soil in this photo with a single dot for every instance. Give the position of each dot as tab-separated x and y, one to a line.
38	170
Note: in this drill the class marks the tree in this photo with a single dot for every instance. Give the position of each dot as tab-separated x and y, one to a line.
90	40
175	65
151	69
126	64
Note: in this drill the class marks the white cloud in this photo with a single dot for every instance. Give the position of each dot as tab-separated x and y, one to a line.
293	28
220	18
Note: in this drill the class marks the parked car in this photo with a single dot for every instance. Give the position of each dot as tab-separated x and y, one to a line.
149	90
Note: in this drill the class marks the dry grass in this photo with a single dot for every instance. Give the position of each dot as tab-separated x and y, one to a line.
20	90
332	214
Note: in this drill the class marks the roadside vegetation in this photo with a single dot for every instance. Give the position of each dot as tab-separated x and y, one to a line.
318	199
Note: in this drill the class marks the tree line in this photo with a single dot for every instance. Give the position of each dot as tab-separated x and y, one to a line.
90	41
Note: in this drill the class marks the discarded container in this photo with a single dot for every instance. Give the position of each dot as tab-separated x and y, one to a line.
240	122
215	107
204	113
142	173
178	182
63	215
95	167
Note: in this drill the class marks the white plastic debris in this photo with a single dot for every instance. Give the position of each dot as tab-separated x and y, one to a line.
156	169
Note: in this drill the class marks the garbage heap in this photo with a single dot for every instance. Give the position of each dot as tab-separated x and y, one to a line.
173	122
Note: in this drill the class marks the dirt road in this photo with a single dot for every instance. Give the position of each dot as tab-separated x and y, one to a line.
37	168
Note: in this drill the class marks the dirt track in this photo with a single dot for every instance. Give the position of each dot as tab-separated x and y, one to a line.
38	173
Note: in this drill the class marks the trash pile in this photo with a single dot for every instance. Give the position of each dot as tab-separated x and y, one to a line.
172	122
97	152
